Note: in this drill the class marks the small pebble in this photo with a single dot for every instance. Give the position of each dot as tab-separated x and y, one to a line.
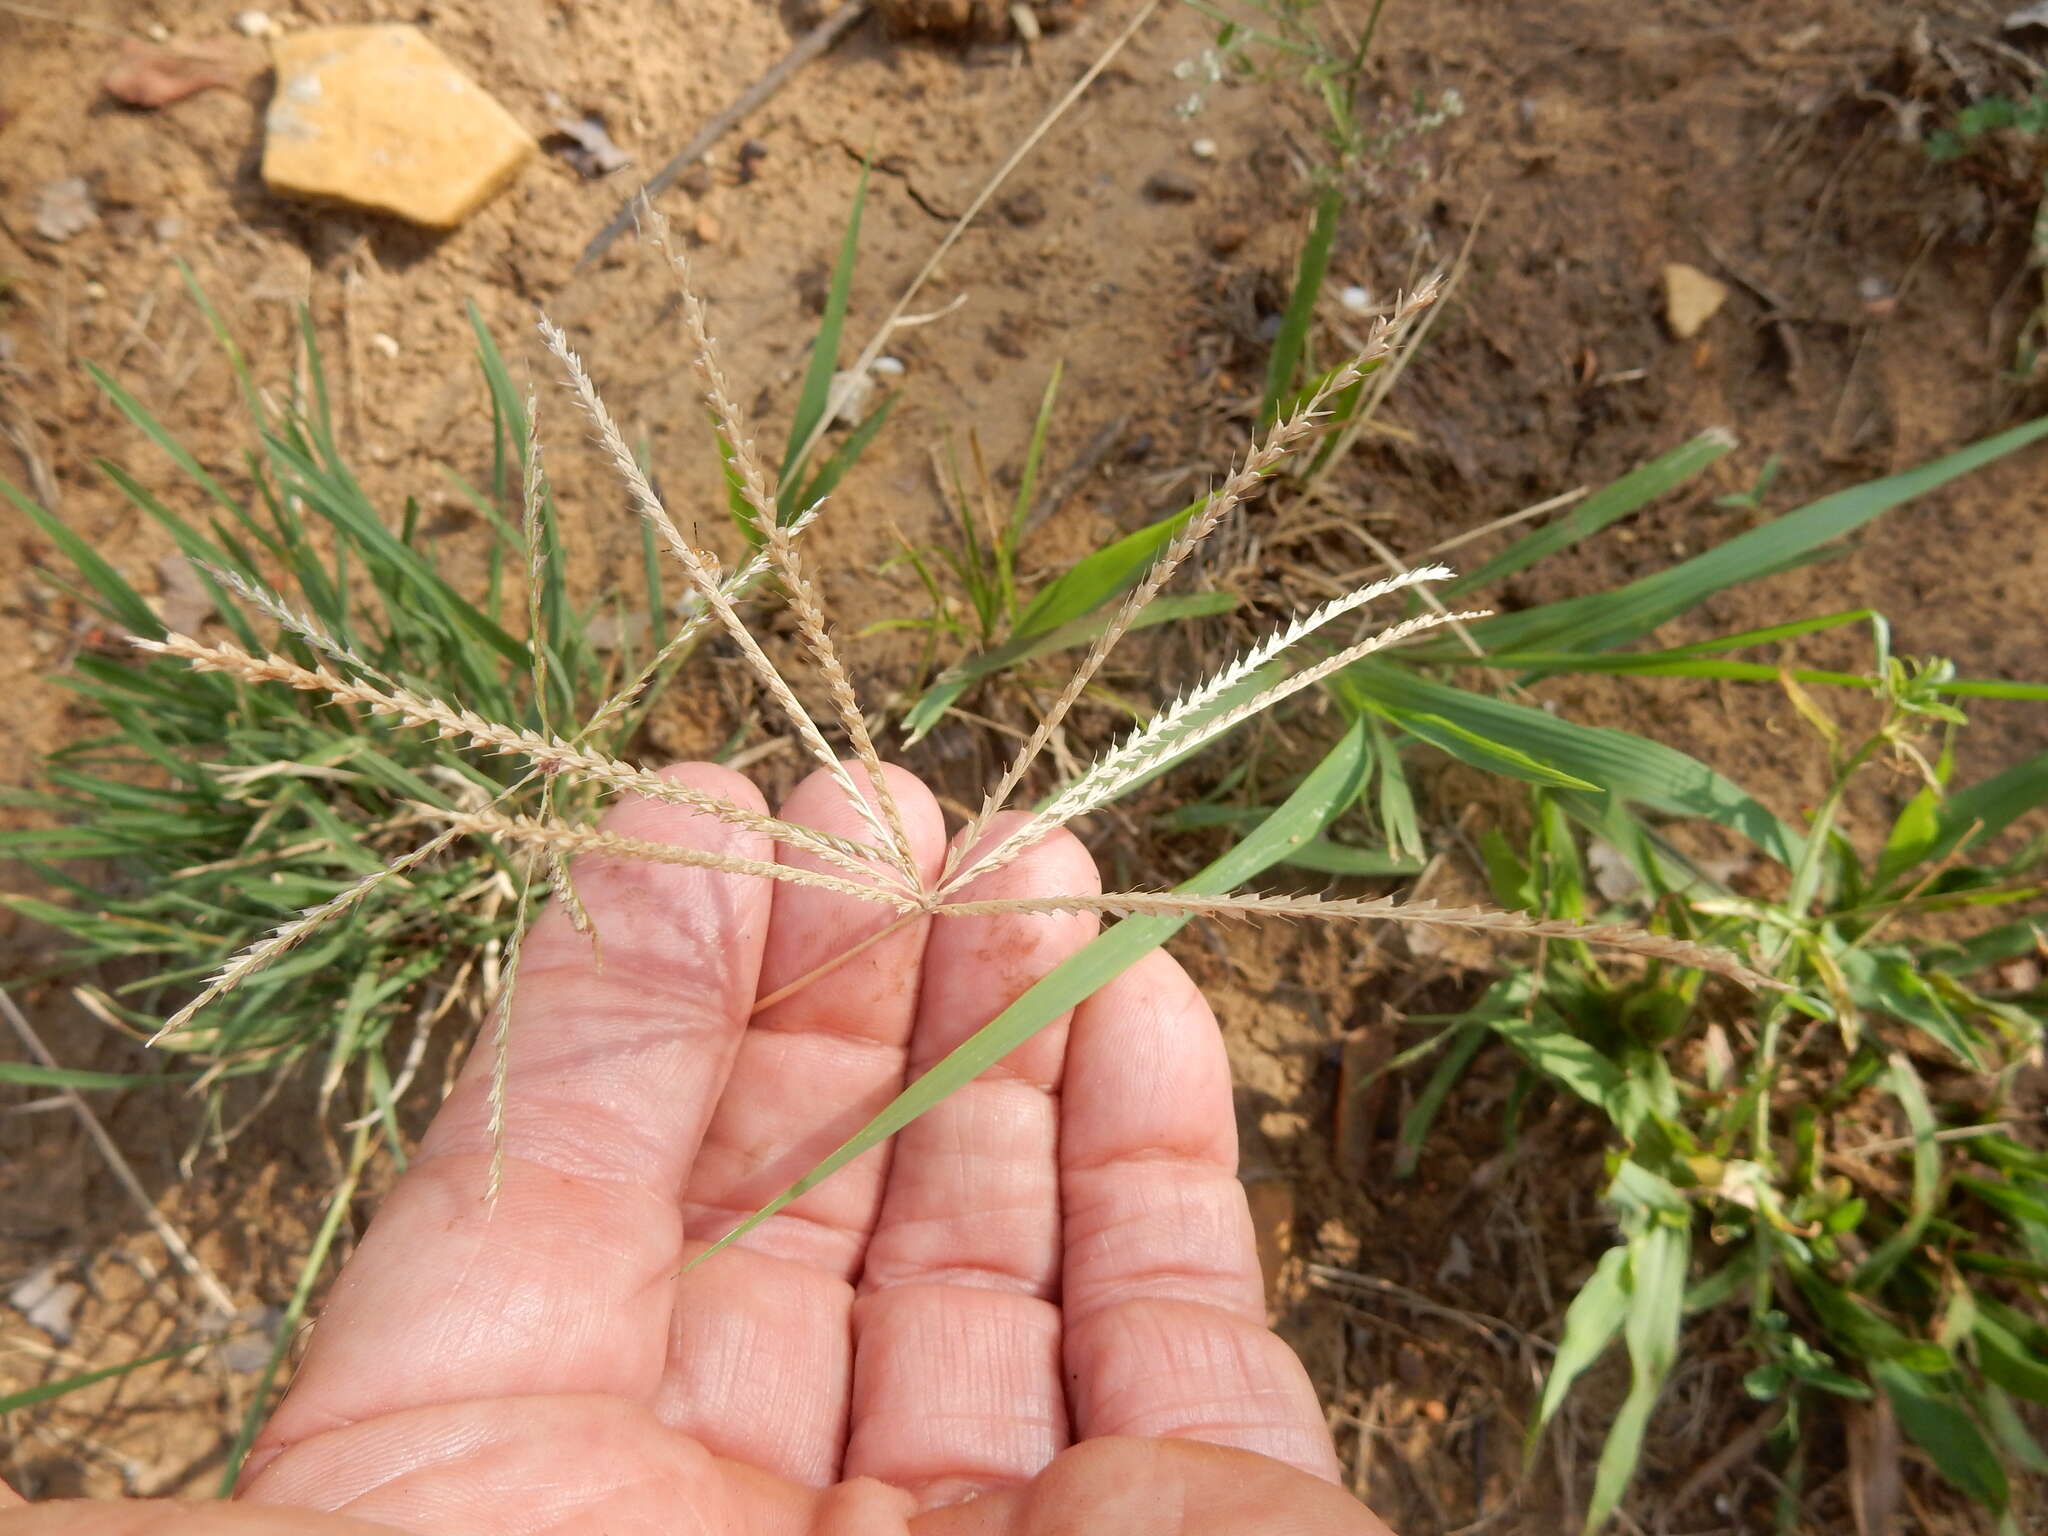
255	24
96	291
388	345
1355	299
168	228
889	367
157	32
1203	149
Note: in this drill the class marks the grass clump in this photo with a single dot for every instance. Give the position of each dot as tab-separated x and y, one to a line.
211	815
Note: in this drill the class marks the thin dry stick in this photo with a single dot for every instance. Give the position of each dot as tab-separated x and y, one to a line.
1017	156
209	1284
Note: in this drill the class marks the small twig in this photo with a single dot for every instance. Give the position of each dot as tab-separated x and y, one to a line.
37	13
808	47
209	1284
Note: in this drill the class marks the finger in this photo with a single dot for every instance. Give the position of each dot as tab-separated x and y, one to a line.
957	1355
761	1355
1164	1307
1159	1488
560	1283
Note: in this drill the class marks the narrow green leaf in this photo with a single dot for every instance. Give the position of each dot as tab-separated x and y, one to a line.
1291	343
1610	504
1602	620
30	1396
35	1075
1912	1096
815	395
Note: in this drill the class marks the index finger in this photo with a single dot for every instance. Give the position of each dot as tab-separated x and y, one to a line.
562	1282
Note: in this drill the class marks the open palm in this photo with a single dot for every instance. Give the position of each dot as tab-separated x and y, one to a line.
1057	1257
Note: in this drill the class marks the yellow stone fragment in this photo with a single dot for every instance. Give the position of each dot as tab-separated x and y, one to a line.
1690	299
380	118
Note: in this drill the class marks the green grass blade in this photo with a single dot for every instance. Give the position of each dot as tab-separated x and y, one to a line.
1291	344
1330	786
34	1075
1631	493
30	1396
116	597
1603	620
1415	1125
1630	768
1095	579
1034	455
844	457
1657	1257
815	395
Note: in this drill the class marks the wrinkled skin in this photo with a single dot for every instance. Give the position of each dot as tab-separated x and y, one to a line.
1038	1311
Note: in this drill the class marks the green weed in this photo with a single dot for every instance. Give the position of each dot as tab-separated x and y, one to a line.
1844	1169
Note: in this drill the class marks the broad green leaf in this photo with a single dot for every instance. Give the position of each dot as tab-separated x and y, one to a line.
1328	788
1913	833
1632	492
1591	1323
1935	1420
1656	1303
1988	807
2006	1426
1632	769
2004	1354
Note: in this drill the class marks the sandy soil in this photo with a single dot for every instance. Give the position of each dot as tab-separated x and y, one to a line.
1875	303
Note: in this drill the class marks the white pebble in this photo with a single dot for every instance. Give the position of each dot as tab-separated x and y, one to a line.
96	291
1203	149
158	32
388	345
255	24
889	367
1355	299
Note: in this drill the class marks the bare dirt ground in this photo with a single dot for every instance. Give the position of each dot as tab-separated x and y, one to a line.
1875	303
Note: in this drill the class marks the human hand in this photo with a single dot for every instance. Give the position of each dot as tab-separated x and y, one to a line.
1039	1311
